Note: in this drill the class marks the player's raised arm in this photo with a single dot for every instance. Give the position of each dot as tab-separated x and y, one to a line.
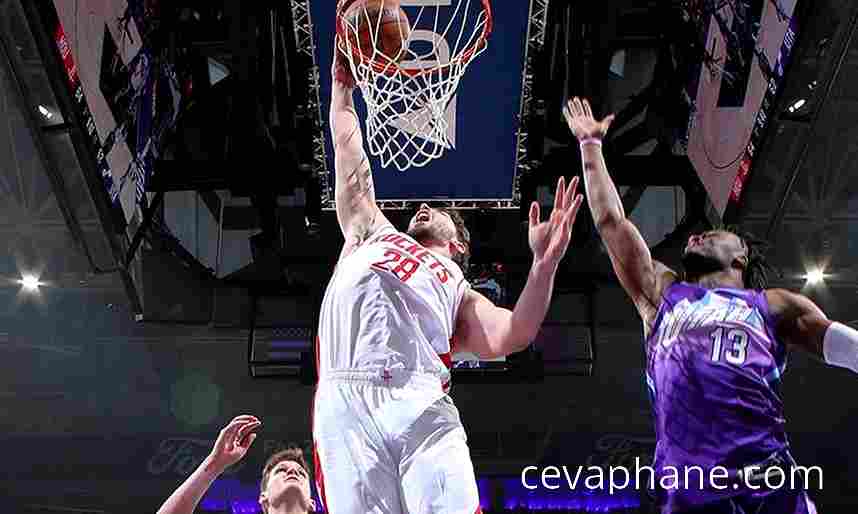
491	331
642	278
357	212
802	325
231	446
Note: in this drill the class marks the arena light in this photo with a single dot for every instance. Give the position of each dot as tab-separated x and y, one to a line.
815	277
617	69
798	104
217	71
44	111
30	282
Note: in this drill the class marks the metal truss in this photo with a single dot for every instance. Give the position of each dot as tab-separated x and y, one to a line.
465	205
306	45
537	22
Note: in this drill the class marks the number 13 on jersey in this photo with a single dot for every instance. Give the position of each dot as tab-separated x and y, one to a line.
731	345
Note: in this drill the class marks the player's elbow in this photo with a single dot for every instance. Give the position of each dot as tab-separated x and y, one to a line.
498	350
345	135
524	341
608	221
517	346
488	354
341	140
513	341
499	343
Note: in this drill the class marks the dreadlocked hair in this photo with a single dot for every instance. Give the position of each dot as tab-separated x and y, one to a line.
756	274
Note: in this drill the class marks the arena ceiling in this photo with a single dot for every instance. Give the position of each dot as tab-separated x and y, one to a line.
59	235
801	196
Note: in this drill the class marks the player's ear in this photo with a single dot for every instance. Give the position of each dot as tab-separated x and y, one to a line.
741	262
263	502
457	246
312	505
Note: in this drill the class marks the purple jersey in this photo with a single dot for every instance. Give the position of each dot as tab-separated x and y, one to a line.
713	368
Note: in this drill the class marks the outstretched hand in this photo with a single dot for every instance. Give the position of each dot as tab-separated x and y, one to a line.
550	239
234	441
579	117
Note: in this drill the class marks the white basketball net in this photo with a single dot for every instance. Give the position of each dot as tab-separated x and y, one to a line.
407	96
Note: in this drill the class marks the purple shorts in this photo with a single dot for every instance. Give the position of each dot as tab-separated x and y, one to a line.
777	502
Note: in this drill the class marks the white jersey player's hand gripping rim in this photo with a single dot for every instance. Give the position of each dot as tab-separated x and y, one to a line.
407	95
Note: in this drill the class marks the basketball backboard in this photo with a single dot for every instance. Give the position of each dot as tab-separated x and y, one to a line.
480	165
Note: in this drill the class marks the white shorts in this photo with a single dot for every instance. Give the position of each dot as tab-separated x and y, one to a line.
390	446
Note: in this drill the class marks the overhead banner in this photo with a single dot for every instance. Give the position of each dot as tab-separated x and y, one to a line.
734	102
483	115
126	91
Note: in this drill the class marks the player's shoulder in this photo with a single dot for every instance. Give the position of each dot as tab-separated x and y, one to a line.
362	233
650	302
665	275
783	302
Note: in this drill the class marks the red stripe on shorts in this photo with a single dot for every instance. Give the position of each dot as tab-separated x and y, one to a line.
317	464
320	478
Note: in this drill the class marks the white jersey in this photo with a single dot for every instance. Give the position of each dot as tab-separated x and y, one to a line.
391	305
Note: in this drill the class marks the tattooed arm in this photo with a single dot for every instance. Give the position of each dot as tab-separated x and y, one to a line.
357	211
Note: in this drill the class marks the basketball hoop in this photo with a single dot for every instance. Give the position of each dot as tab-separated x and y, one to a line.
407	94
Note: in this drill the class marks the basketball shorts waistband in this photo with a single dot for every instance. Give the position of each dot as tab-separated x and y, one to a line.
780	462
383	378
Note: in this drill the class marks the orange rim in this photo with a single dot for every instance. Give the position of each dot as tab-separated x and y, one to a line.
392	68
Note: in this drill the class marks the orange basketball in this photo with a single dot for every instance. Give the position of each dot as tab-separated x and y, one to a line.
382	22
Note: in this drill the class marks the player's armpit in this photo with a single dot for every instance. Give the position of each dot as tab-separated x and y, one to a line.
359	231
801	324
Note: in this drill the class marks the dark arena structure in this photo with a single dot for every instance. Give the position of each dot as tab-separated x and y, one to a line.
171	219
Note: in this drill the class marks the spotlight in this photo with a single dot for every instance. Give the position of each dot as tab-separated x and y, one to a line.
46	112
617	69
802	106
799	109
217	71
30	283
815	277
798	104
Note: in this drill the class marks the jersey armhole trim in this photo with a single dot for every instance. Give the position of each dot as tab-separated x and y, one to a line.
659	312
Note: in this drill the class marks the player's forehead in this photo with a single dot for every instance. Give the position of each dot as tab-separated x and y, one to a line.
719	233
287	465
725	235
